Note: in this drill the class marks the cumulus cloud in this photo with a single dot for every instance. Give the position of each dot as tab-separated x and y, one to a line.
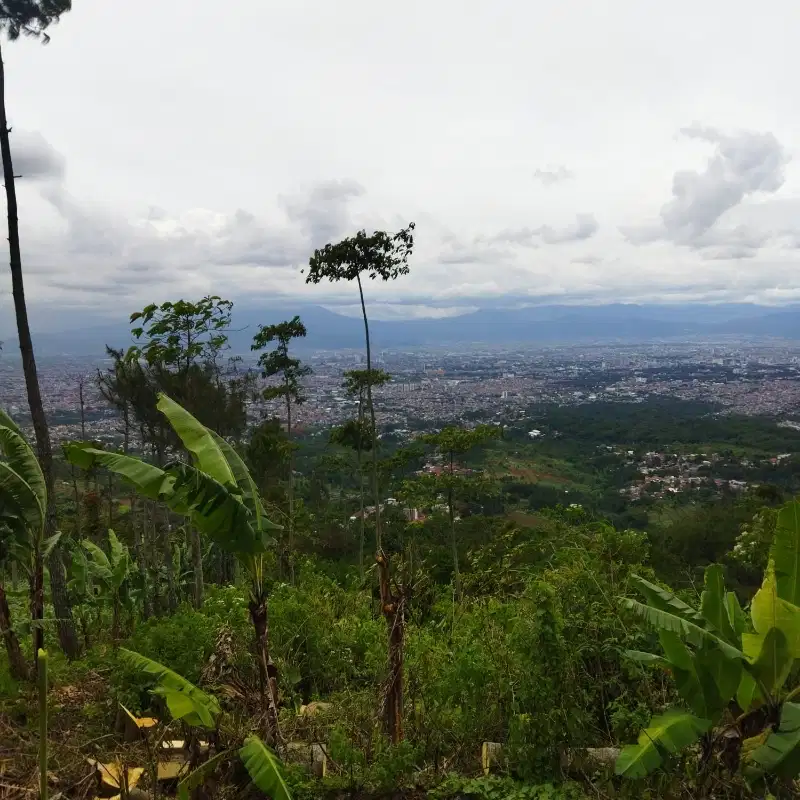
35	158
741	165
553	175
95	253
323	212
584	227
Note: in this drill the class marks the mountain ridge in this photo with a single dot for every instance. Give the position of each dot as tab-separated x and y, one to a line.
546	324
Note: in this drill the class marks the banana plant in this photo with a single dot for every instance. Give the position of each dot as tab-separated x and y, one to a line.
23	504
730	669
104	577
219	497
196	708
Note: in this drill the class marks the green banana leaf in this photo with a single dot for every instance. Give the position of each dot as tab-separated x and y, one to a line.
785	552
23	461
666	735
198	440
264	769
185	701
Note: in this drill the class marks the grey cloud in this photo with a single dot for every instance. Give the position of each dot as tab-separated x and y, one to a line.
584	228
196	249
501	245
742	164
549	177
323	213
35	158
587	260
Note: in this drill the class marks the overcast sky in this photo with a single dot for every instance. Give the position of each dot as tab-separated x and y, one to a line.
563	152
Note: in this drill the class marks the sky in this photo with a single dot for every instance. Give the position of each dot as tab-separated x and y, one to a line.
548	152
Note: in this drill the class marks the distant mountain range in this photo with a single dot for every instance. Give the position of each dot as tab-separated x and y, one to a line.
551	324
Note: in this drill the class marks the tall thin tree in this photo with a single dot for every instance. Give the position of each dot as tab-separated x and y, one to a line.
385	256
32	18
290	371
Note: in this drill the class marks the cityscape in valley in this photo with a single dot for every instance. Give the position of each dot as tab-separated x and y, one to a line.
432	385
514	387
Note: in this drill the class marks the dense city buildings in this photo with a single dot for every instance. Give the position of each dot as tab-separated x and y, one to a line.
435	385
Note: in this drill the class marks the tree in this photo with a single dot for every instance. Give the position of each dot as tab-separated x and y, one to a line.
178	353
278	363
23	521
357	435
32	18
380	255
219	496
451	442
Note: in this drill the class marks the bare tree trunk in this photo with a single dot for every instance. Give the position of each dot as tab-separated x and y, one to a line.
197	566
290	486
267	671
360	485
16	661
393	609
172	595
66	629
37	603
82	402
453	543
376	492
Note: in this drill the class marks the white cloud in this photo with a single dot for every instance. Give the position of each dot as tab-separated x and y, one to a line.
195	173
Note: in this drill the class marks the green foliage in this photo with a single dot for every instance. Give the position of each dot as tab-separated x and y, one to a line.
185	701
195	778
715	655
503	788
179	333
264	769
379	255
278	362
666	734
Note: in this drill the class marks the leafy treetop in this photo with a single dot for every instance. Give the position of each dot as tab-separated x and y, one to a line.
460	440
278	361
31	17
357	380
381	255
179	334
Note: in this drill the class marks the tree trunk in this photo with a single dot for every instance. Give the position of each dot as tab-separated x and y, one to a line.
16	661
63	609
197	567
115	615
376	492
393	609
290	485
360	485
139	546
37	604
267	672
172	595
453	543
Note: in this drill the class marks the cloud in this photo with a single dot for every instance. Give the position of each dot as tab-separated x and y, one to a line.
549	177
741	165
403	311
323	213
93	252
584	227
35	158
